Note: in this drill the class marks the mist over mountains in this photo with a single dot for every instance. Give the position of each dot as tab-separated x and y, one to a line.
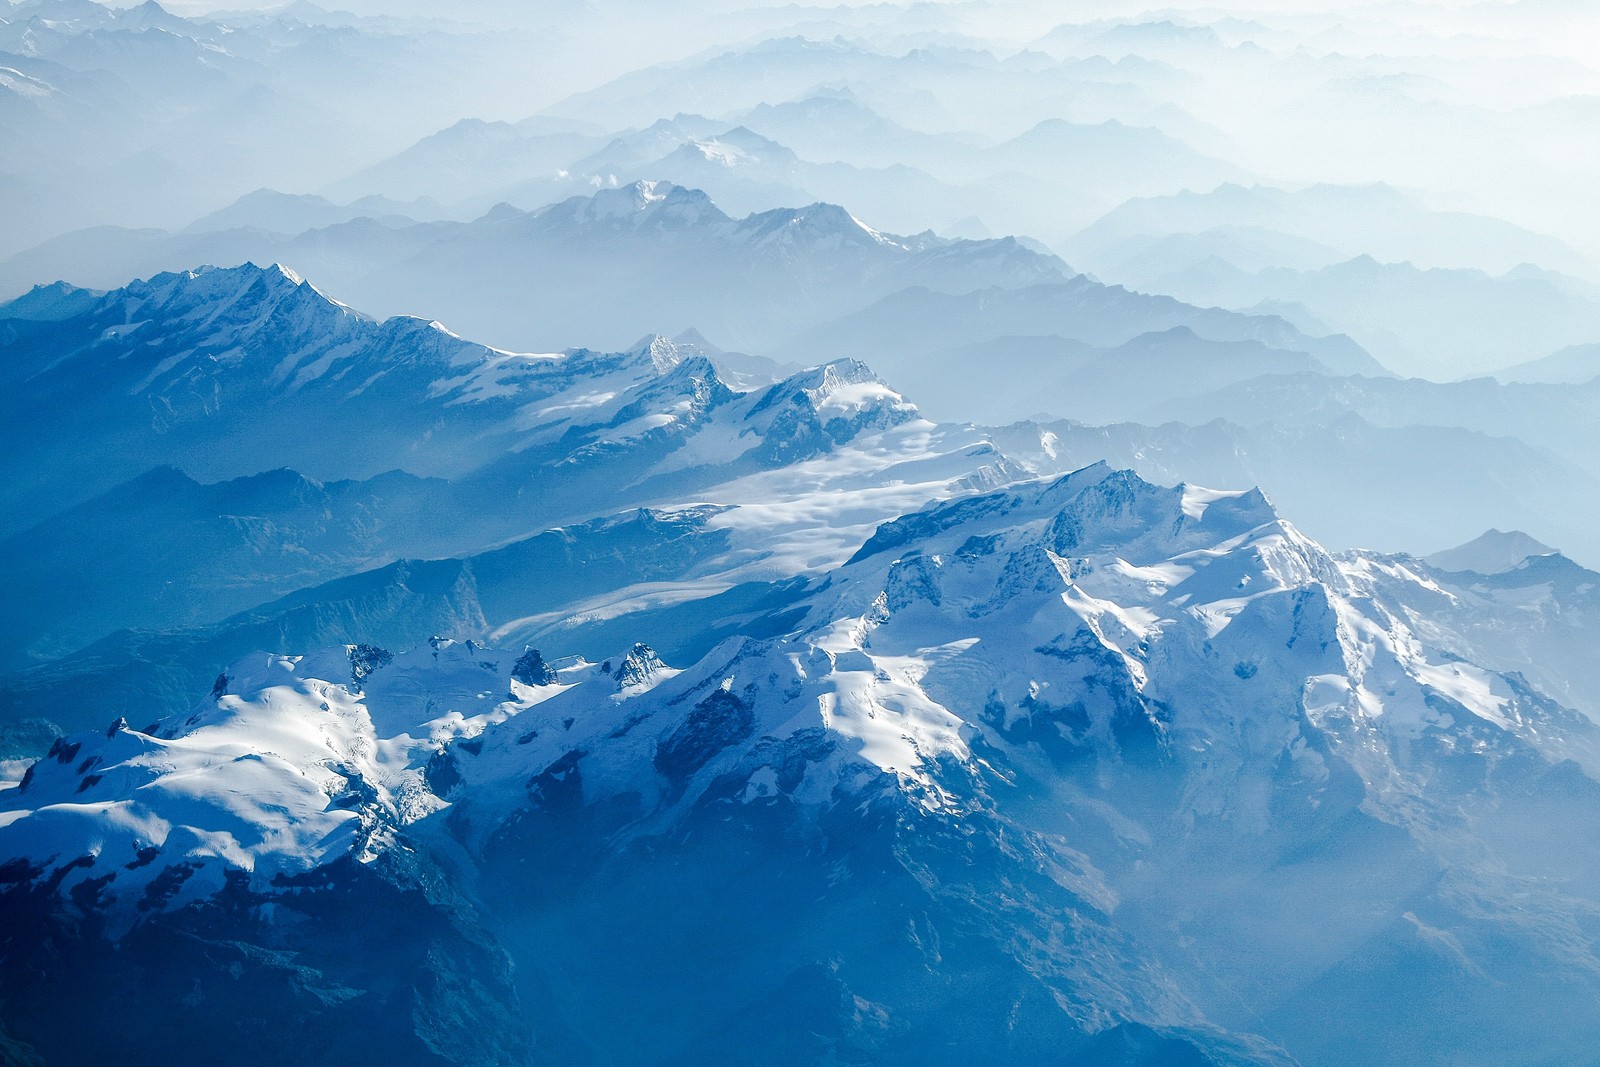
746	533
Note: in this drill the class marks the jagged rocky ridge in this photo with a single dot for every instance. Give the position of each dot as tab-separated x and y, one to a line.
1085	767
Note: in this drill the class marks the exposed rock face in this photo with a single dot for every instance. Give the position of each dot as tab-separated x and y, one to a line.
638	667
364	659
717	722
531	669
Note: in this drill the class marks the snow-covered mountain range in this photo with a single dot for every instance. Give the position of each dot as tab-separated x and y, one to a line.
147	549
893	535
1003	737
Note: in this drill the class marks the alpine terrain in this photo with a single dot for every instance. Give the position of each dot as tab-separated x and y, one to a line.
741	533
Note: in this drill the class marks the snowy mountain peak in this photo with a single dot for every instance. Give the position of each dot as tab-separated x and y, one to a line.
739	146
841	375
294	761
664	353
220	313
643	193
840	401
1099	509
817	226
217	292
640	667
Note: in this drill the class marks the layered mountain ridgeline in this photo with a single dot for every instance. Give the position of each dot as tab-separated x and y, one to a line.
136	115
139	584
1261	226
1439	323
1076	348
238	359
646	253
747	173
208	370
1573	365
372	693
1081	134
194	369
624	262
1085	768
218	363
1556	419
164	550
1350	479
1440	294
205	370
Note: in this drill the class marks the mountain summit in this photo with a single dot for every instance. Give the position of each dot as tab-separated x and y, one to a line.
1491	553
